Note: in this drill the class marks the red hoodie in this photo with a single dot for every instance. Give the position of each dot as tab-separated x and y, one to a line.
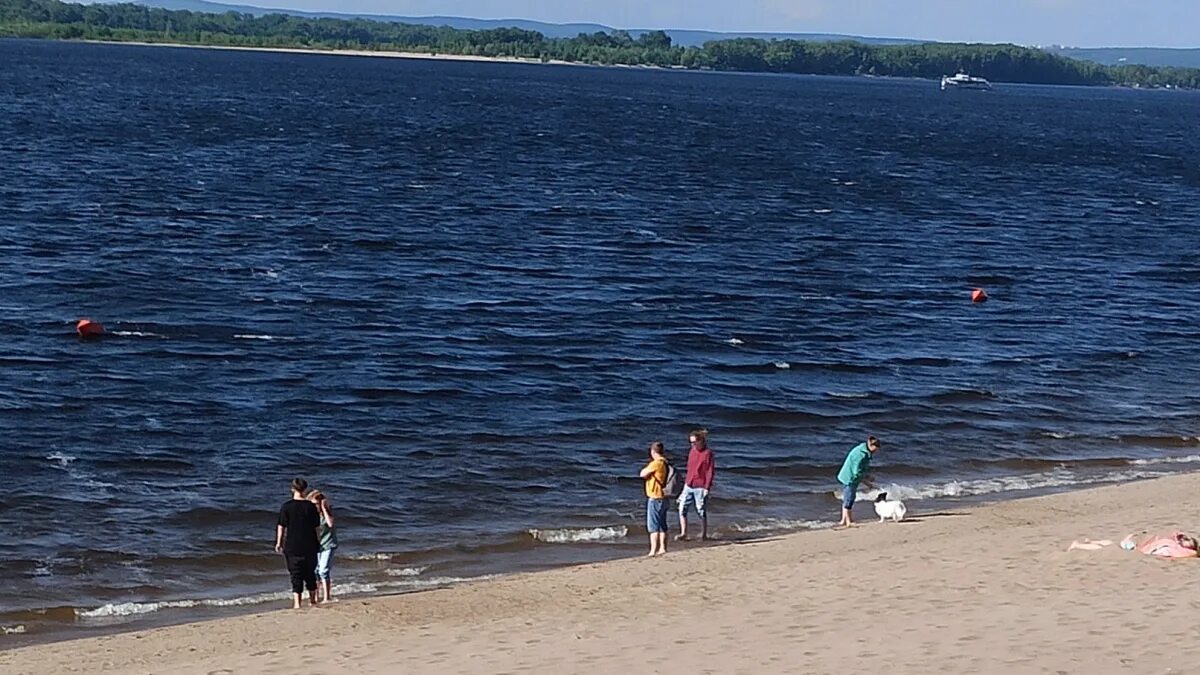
701	469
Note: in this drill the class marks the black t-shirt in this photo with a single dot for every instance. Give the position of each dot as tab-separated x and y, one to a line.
300	518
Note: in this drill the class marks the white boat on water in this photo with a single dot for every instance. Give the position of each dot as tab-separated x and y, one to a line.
964	81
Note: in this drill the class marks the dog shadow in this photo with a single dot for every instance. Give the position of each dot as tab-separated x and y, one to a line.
939	514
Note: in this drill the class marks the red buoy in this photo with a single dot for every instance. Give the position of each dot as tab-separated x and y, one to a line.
88	328
979	295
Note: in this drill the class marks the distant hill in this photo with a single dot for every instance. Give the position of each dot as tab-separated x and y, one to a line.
1147	56
685	38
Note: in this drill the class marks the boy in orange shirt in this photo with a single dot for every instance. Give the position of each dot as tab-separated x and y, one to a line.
655	475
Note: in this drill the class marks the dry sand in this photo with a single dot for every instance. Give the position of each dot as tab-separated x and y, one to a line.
981	590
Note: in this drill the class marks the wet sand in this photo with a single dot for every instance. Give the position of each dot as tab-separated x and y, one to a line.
988	589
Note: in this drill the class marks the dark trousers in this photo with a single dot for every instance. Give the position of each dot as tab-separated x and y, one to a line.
303	569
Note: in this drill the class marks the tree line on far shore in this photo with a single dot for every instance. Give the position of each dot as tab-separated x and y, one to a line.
52	19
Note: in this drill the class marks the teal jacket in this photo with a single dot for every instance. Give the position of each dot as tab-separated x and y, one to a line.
856	466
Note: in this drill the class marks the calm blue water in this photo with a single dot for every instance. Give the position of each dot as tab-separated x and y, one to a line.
463	298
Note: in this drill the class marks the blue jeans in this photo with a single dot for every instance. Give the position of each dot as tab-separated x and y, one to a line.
697	496
849	494
656	515
324	564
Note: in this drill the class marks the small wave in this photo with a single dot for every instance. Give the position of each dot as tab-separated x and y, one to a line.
963	396
822	212
63	459
249	336
579	536
406	572
782	365
985	486
849	394
367	556
122	609
735	342
928	361
135	608
1057	434
775	524
136	333
1190	459
1160	441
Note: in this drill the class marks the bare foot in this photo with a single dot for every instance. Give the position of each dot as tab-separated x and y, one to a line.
662	552
705	537
681	537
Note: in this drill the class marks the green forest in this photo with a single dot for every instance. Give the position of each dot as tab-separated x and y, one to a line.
50	19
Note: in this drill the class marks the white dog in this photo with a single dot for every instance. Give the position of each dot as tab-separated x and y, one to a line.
894	510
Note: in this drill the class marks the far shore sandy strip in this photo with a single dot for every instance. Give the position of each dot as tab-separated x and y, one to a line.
990	589
359	52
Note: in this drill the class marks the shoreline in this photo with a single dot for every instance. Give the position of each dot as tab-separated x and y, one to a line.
434	56
995	582
430	56
92	622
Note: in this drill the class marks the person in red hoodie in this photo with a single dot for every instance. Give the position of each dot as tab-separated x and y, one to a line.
701	468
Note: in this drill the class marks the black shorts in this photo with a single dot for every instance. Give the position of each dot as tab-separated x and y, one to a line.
303	570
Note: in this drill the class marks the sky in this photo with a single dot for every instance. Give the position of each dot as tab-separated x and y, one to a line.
1082	23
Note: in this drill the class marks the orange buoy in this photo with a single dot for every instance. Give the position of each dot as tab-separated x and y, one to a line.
88	328
979	295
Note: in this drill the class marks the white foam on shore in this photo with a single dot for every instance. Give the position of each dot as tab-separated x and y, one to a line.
580	536
366	556
1000	484
1190	459
135	608
770	524
405	572
122	609
13	630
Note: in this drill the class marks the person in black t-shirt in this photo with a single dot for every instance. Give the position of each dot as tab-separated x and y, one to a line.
296	537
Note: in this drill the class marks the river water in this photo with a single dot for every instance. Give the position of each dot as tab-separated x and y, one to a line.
462	298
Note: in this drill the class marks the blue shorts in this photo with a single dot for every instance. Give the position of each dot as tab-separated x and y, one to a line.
697	496
656	515
849	494
324	564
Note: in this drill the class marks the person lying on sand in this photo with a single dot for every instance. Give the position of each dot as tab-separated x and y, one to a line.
1174	545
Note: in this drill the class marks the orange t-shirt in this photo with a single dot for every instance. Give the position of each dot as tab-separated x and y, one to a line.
656	479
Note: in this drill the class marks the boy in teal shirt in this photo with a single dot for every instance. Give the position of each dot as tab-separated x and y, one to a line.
854	470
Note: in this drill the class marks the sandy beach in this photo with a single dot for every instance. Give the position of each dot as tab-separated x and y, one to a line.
986	589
